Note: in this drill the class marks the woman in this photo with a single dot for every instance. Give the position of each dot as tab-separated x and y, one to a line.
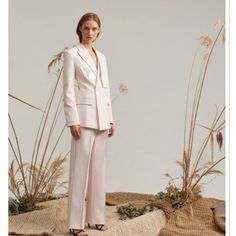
88	113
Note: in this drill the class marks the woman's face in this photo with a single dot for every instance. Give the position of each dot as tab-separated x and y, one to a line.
89	30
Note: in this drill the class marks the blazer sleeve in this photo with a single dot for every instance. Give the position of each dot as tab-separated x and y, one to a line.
109	98
69	99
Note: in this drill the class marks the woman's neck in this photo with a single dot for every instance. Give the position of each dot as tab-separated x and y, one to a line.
88	46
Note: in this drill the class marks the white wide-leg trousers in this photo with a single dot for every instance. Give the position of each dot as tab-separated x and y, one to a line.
87	197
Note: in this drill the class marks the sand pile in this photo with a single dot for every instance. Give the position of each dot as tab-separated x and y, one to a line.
52	219
194	220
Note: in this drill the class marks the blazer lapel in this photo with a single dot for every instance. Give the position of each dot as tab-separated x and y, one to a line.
87	58
101	64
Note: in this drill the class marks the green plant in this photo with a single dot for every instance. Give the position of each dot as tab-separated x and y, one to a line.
22	205
174	195
128	211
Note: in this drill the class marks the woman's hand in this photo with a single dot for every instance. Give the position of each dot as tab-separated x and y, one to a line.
75	131
111	131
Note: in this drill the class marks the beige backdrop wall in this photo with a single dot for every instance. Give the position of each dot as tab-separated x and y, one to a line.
149	47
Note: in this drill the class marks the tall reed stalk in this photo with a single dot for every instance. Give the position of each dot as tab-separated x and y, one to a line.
34	181
192	173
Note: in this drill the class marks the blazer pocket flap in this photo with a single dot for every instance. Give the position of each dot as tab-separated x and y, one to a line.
84	101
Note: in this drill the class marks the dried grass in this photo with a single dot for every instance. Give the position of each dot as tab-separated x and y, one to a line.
32	182
193	173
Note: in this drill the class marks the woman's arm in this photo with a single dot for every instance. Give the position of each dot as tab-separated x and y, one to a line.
69	100
109	97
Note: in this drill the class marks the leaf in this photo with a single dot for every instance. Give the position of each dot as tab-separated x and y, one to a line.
214	171
223	37
168	175
186	158
195	175
204	126
219	138
212	147
180	163
220	126
18	99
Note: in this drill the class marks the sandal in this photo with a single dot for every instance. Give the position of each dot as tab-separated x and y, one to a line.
100	227
77	232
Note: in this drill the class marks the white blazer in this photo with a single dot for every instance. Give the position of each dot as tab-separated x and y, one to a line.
86	92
